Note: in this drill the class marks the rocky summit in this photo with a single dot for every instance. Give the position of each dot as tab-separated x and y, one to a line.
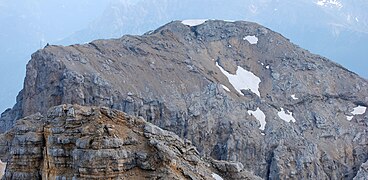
244	98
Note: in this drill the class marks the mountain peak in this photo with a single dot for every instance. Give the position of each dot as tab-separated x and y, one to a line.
237	90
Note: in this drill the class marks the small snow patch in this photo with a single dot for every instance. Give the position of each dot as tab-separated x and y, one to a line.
194	22
216	176
260	116
267	67
226	88
294	97
349	118
243	79
332	3
286	115
357	111
251	39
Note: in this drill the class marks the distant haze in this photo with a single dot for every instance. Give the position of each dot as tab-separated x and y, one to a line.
337	30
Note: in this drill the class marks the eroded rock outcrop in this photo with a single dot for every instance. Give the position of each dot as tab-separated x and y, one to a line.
303	120
75	142
363	172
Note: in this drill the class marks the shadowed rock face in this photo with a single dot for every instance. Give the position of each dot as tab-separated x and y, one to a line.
172	77
363	172
99	143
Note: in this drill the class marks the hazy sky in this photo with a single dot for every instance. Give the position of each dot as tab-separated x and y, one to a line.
27	25
339	33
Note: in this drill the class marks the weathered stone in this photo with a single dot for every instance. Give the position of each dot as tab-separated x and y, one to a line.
39	153
149	76
363	172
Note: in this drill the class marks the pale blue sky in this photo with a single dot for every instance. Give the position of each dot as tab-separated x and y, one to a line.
339	33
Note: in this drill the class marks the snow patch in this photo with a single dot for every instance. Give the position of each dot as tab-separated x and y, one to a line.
251	39
335	3
349	118
260	116
243	79
267	67
226	88
216	176
294	97
286	115
193	22
359	110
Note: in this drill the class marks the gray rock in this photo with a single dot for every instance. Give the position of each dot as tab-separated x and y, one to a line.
363	172
190	102
35	154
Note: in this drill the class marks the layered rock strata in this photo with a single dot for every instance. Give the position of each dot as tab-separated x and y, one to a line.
298	115
75	142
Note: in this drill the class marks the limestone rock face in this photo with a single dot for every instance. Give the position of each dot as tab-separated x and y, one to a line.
24	148
76	142
200	82
363	172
